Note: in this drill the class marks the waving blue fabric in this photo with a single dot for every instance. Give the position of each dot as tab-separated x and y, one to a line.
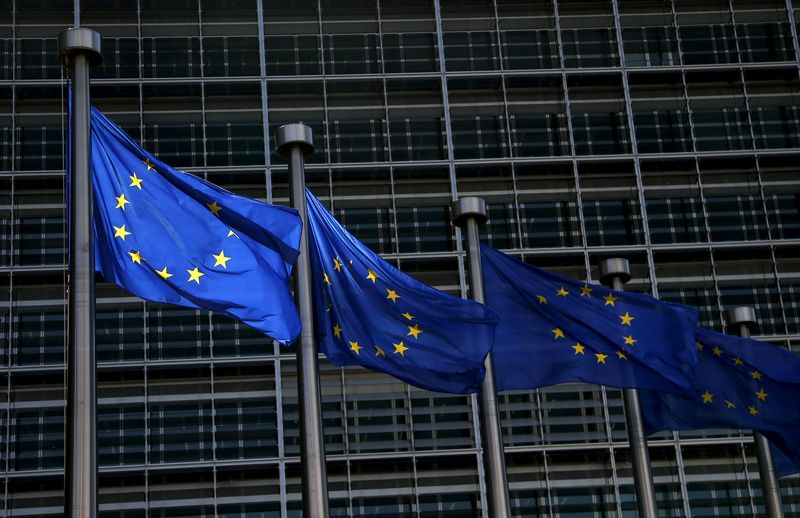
369	313
167	236
740	383
554	330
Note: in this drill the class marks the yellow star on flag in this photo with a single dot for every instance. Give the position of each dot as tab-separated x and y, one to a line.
601	358
337	331
708	397
194	275
738	361
325	279
164	273
148	164
214	207
408	316
586	291
699	346
120	232
400	348
220	259
542	299
232	233
121	201
562	292
355	348
717	351
621	355
557	333
135	257
610	300
630	340
729	404
135	181
756	375
338	267
626	319
414	331
379	351
579	348
392	295
372	276
753	410
762	395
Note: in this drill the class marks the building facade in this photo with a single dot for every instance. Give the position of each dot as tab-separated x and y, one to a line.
667	132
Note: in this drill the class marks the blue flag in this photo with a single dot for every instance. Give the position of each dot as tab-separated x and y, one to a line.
167	236
555	330
740	383
369	313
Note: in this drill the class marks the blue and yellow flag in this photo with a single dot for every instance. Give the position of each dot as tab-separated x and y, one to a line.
167	236
369	313
740	383
555	330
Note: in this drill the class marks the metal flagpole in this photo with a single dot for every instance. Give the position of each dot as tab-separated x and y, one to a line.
468	212
741	318
79	49
294	142
615	272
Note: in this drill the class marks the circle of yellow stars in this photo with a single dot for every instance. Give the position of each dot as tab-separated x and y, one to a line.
401	346
708	397
123	232
626	319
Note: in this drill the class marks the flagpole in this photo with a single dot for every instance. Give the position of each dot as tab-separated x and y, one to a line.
741	318
468	212
79	49
294	142
615	272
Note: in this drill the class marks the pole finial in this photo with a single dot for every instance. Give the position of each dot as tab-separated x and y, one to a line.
615	267
290	135
740	315
469	207
80	40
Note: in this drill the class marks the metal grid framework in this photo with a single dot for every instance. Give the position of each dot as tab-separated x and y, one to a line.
664	132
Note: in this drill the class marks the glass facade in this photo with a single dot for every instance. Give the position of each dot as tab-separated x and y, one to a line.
667	132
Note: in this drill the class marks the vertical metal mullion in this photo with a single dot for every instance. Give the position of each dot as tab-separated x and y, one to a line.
204	136
325	120
446	108
346	441
574	159
145	326
262	64
412	444
759	177
793	30
276	348
634	148
675	435
146	395
578	191
509	139
751	492
550	504
437	9
11	311
392	200
611	451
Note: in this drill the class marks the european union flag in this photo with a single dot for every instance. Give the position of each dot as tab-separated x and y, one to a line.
740	383
368	313
168	236
555	330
